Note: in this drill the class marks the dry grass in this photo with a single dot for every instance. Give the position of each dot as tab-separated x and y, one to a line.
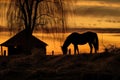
104	66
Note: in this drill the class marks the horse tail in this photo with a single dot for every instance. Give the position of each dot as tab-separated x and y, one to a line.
96	42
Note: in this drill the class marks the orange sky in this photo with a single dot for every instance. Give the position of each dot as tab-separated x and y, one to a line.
84	13
95	14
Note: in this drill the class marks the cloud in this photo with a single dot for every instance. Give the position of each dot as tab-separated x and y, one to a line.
109	0
95	8
96	11
101	0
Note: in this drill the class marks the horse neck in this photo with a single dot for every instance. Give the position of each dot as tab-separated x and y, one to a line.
67	43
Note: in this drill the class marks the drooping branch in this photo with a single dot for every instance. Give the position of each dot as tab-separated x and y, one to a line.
22	9
35	15
30	14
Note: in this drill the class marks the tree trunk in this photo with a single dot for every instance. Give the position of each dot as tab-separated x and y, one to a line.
28	41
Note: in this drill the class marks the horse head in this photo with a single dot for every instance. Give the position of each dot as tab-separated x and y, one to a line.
64	50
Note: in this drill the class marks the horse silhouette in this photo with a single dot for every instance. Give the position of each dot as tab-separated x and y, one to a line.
80	39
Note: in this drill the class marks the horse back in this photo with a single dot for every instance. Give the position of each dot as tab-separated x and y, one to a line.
83	38
89	35
77	38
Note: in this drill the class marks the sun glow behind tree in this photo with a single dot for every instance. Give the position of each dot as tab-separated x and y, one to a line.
46	15
3	11
104	13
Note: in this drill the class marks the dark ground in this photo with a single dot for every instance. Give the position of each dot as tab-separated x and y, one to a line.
104	66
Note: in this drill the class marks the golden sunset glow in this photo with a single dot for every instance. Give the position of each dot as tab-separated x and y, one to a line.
59	39
3	12
95	14
97	3
79	14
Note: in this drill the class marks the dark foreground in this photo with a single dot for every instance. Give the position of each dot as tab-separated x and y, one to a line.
104	66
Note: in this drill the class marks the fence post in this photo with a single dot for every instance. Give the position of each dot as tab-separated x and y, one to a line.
4	52
52	52
69	51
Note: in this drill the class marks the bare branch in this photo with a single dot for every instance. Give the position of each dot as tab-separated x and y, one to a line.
32	12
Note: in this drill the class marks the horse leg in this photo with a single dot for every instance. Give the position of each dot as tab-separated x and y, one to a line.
90	48
95	48
77	49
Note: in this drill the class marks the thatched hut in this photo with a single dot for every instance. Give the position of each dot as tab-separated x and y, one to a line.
18	44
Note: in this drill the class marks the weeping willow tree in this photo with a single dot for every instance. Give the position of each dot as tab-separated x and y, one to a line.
46	15
28	15
3	10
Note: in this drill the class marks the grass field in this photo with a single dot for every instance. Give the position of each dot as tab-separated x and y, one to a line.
102	66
